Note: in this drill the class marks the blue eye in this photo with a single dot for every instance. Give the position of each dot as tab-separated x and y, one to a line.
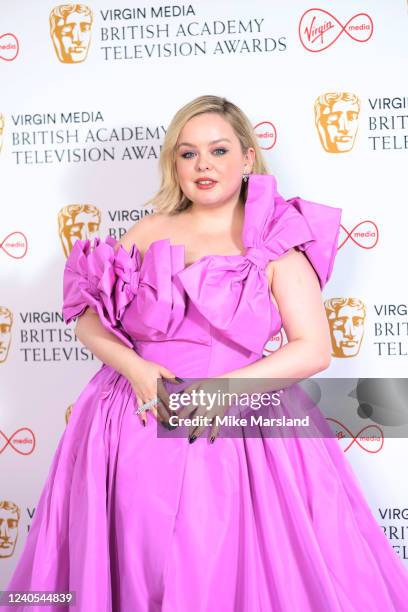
187	154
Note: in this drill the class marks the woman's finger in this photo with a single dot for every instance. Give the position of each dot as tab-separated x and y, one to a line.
195	432
214	431
190	408
162	408
164	416
154	411
139	404
203	418
163	398
140	411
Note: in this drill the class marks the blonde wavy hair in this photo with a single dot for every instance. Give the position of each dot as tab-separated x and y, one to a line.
170	198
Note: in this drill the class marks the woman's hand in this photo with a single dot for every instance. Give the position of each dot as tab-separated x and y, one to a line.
147	385
209	399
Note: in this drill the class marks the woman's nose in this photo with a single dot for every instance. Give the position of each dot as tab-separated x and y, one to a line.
202	162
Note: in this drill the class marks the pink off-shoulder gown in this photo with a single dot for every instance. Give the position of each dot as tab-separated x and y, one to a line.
137	523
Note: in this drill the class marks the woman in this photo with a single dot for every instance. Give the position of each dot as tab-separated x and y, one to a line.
131	520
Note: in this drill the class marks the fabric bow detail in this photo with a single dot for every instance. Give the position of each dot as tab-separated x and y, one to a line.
258	256
230	292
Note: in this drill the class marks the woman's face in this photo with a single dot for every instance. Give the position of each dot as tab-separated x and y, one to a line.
208	147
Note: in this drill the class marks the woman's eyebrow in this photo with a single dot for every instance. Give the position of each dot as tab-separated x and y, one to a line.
188	144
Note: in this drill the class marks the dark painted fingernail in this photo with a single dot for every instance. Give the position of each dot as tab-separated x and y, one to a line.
191	440
212	439
144	423
178	379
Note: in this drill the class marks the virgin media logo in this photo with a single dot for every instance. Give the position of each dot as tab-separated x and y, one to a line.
275	342
9	47
370	438
22	441
266	134
319	29
14	245
364	234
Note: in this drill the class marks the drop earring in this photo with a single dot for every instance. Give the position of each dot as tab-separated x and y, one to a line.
245	176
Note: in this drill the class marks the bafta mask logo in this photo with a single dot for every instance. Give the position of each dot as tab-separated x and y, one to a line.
1	130
70	29
6	321
346	318
77	222
9	519
336	118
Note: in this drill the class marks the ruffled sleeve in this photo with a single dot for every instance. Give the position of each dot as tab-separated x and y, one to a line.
91	279
275	225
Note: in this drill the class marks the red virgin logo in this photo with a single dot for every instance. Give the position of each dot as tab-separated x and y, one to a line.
275	342
9	47
266	134
371	442
22	441
14	245
319	29
365	235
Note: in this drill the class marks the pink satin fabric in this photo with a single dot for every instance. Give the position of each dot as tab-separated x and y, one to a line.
133	522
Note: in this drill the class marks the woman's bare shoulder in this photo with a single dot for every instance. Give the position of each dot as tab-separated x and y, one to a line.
143	232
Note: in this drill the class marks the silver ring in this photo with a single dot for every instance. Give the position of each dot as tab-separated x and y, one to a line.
146	405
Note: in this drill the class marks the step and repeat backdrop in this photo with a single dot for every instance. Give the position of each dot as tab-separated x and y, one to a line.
87	91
